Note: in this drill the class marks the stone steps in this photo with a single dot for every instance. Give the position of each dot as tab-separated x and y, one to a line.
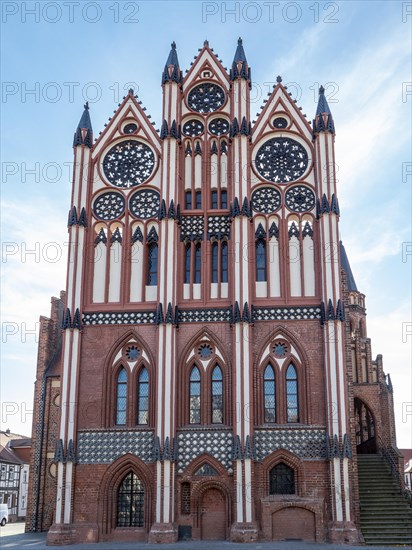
385	516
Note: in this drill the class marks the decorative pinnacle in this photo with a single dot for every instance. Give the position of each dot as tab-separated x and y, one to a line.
131	91
240	52
172	58
323	106
206	43
85	122
278	78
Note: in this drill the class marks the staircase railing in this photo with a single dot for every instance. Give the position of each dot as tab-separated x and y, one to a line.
387	453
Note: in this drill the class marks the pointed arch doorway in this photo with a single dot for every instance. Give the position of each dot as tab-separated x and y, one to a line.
213	522
365	428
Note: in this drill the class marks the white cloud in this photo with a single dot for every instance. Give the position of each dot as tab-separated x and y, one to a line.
388	334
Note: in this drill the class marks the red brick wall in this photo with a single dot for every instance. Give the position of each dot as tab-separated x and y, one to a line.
41	493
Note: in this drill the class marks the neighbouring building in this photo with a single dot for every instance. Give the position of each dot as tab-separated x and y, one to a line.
407	457
207	373
15	453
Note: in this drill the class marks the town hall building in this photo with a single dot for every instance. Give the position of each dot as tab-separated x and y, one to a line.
207	372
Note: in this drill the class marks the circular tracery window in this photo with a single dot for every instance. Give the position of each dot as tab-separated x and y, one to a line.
130	128
144	204
193	128
205	351
132	353
300	198
109	206
266	200
219	126
280	122
280	349
128	163
206	98
281	160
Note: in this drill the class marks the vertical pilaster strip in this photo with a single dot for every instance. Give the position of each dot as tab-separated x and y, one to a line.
242	281
166	343
337	399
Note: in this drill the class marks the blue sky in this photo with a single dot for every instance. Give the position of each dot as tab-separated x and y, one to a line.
69	52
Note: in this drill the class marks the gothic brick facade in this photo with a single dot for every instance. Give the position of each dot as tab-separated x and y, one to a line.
206	374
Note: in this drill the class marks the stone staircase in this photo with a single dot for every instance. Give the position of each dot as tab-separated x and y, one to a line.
385	516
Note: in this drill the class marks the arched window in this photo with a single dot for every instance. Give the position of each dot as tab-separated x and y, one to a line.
130	502
194	396
224	262
215	257
188	248
292	402
217	396
269	392
281	480
198	263
152	262
121	397
143	397
260	260
206	470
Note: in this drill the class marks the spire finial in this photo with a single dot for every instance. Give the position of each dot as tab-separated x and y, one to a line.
278	78
206	42
85	122
172	72
240	52
323	106
172	58
131	91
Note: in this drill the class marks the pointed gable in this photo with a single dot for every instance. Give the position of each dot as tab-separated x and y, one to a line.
280	103
206	61
129	110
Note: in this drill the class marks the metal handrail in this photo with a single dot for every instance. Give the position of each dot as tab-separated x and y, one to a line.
387	455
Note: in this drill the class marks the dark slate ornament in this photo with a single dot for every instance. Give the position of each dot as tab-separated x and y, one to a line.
137	235
101	237
293	231
116	237
83	218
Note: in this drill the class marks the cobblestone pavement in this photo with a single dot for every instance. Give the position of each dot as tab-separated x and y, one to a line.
13	536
